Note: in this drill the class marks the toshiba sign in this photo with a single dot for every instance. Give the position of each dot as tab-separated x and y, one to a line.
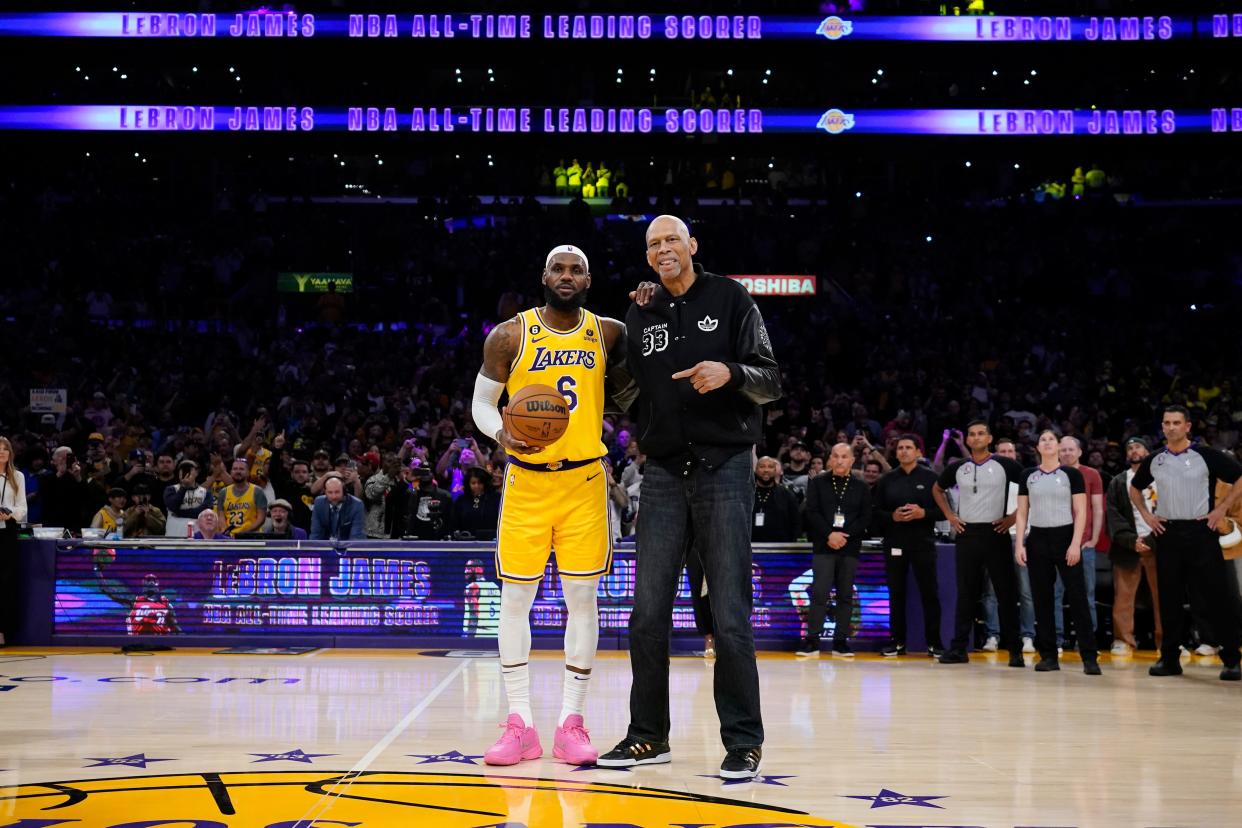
777	285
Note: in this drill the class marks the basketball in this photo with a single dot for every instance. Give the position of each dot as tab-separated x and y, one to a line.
537	415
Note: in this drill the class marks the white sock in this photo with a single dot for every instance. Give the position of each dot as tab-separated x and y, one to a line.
517	688
581	640
514	641
574	699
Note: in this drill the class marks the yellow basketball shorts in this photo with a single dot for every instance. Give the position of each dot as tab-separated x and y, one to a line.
566	511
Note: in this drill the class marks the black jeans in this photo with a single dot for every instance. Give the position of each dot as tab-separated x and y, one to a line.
1045	558
829	570
715	507
920	557
1188	556
983	552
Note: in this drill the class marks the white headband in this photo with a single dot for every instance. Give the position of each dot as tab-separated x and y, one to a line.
568	248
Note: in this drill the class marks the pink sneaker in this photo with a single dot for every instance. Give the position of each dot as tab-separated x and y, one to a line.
573	744
518	742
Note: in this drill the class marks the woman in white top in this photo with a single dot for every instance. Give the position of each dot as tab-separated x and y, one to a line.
12	513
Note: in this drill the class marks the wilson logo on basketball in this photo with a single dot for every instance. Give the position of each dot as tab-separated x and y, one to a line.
543	407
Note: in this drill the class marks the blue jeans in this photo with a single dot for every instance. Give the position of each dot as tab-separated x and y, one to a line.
715	506
1058	599
1026	607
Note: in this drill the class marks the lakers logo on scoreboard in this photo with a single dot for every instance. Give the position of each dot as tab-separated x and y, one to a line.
834	28
374	799
834	121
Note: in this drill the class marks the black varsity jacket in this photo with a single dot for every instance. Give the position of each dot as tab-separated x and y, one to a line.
715	320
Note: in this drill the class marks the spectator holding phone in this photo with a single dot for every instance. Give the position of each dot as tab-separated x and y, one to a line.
143	519
865	452
186	500
952	446
455	457
347	471
65	493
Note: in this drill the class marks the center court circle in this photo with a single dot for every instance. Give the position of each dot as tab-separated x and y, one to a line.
375	798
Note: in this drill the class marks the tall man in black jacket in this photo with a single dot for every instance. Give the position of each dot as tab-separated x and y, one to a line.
703	363
905	515
838	510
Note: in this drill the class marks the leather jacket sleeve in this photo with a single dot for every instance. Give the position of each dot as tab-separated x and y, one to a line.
756	374
620	387
1120	514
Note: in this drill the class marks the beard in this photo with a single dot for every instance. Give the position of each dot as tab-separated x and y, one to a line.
573	303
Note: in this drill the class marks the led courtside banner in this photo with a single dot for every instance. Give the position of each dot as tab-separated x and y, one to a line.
314	282
433	120
443	590
615	27
774	285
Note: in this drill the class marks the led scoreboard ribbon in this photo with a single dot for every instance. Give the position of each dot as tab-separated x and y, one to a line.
616	27
458	120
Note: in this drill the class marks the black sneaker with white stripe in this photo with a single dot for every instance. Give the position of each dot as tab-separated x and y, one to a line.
741	763
630	752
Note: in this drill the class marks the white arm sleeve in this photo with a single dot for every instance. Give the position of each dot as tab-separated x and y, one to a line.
486	415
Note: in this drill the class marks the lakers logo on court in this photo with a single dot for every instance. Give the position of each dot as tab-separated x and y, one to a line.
305	799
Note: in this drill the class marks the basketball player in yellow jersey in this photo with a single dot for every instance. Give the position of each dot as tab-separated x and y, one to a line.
242	505
554	497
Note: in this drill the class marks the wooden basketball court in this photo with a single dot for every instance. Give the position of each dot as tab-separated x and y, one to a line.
384	737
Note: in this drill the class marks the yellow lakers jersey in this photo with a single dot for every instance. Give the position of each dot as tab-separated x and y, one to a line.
242	509
572	362
106	521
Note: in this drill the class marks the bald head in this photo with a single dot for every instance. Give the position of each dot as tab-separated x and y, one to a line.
767	469
670	248
661	224
841	459
334	490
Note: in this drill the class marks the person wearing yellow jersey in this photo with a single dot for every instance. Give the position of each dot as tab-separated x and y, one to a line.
574	173
242	505
555	497
603	178
107	517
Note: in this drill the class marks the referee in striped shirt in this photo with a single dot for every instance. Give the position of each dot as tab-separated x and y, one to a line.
983	549
1052	499
1187	549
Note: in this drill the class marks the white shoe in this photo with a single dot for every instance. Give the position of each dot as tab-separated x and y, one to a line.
1206	650
1182	651
991	645
1121	649
1028	644
1060	650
